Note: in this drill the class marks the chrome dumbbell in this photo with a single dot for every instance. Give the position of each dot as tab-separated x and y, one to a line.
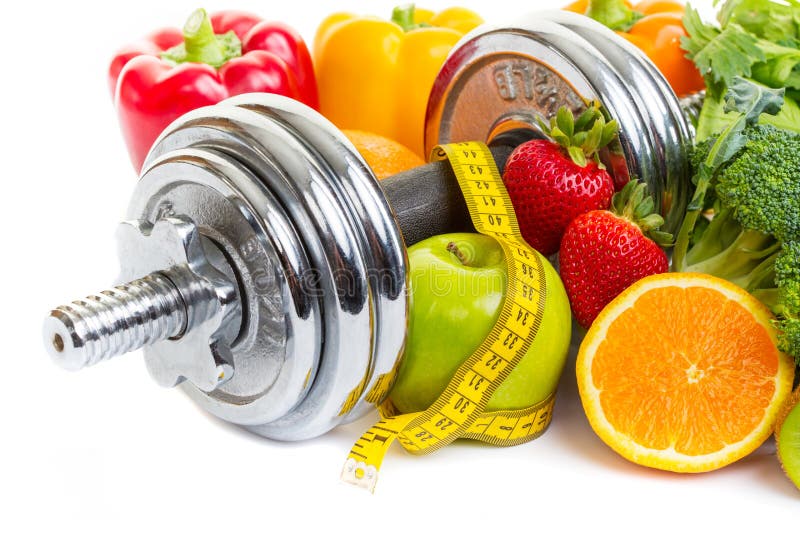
264	266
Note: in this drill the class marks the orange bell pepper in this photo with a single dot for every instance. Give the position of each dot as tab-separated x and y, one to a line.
376	75
656	27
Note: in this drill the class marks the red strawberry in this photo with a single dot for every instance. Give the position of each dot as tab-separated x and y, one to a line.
552	182
604	252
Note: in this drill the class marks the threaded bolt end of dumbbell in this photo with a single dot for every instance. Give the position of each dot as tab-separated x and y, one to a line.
115	321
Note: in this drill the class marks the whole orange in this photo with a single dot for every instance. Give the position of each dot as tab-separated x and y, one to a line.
386	157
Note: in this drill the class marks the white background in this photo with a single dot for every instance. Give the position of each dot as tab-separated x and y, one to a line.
107	452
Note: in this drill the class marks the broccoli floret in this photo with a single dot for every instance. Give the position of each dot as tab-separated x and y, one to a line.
698	154
762	184
787	307
751	176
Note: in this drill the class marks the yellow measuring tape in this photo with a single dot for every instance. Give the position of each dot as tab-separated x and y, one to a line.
459	410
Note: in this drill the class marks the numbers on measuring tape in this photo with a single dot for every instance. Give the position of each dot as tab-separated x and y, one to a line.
494	362
444	423
424	436
527	292
462	404
459	410
510	340
475	169
527	270
476	381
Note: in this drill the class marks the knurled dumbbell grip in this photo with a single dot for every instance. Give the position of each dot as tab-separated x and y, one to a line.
427	200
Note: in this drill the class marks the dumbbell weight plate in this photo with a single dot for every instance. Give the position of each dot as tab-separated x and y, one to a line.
500	78
284	167
347	346
277	349
380	236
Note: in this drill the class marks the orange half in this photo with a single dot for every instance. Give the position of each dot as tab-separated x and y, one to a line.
682	372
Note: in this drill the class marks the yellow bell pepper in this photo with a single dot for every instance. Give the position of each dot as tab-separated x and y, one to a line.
375	75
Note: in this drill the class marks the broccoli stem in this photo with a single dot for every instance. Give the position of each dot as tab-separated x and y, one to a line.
750	100
702	180
769	297
763	276
745	262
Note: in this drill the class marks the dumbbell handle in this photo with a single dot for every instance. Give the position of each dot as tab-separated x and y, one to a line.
427	200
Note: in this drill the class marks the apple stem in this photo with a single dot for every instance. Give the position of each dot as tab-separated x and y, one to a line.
452	247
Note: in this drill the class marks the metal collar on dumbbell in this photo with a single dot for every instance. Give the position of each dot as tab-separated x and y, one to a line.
503	78
276	352
174	248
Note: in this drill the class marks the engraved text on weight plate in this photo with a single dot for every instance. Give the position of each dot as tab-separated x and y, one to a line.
533	82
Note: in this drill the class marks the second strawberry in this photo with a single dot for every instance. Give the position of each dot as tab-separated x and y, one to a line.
605	252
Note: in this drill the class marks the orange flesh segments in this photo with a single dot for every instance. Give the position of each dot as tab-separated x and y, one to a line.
681	372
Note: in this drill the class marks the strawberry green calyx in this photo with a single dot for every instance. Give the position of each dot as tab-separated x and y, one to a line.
584	137
633	204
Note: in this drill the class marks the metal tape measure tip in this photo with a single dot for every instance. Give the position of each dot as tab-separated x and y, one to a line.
360	474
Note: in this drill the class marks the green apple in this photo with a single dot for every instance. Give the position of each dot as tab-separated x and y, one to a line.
457	284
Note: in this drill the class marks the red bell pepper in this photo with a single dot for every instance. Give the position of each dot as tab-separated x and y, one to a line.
155	81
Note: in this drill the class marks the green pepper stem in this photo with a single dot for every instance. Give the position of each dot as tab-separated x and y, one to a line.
612	13
403	16
199	39
202	45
